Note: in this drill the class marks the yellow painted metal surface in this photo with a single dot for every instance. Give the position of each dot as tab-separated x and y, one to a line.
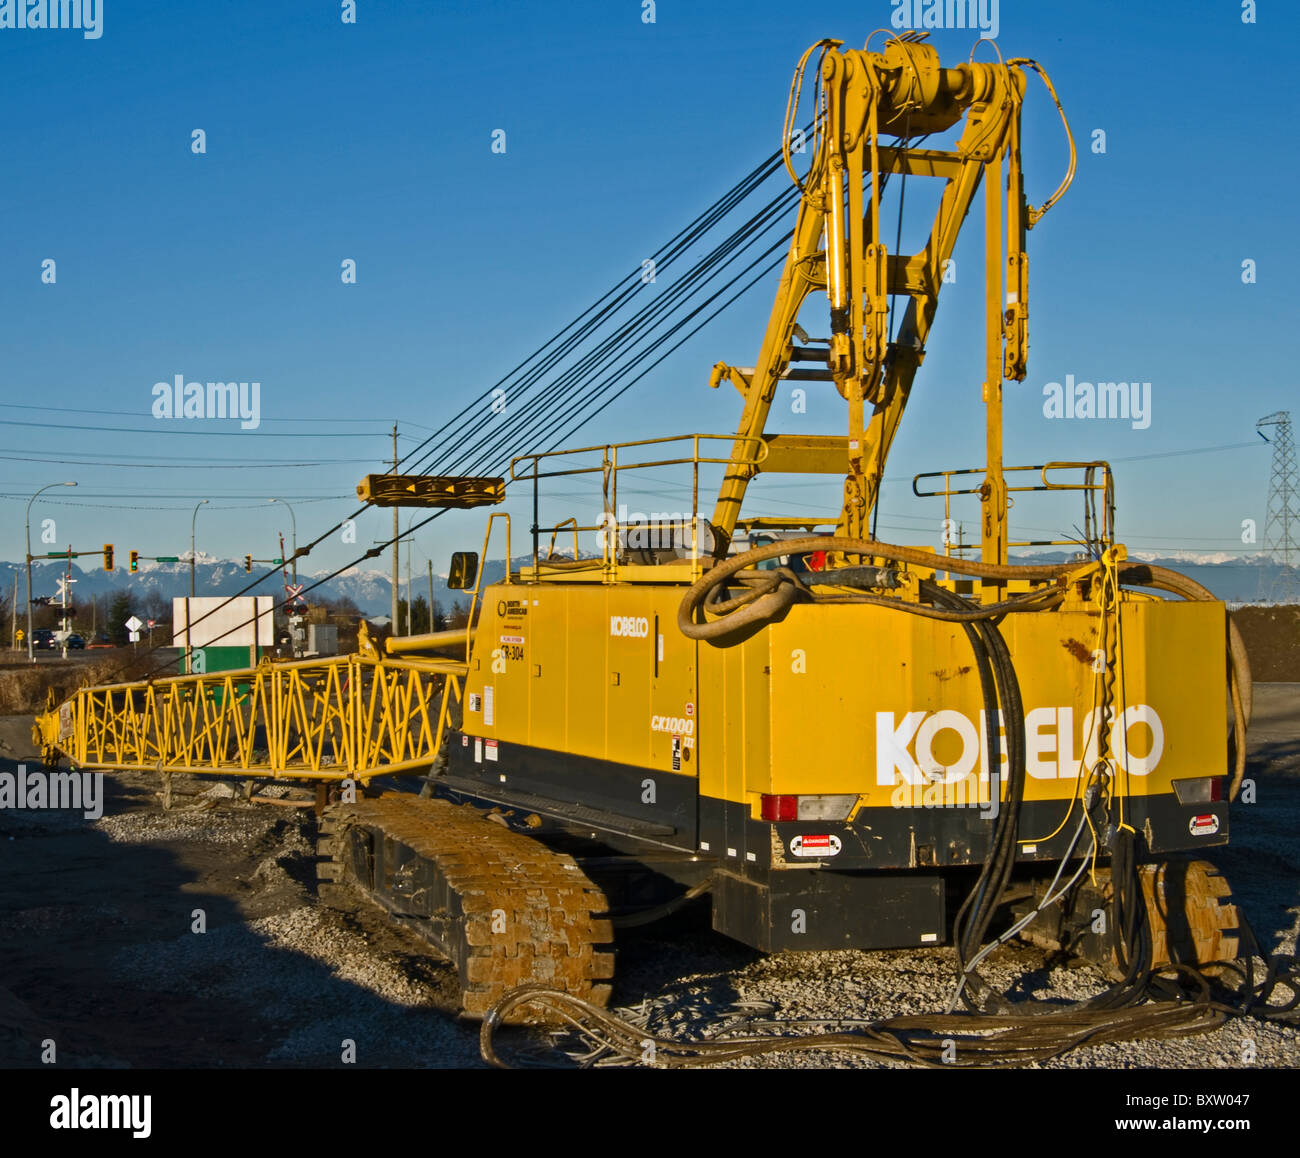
864	700
587	669
332	719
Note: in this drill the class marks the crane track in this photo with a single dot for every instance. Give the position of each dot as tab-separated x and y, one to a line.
1193	919
504	908
1190	915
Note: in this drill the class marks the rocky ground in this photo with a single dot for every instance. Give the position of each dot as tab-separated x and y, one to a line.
191	937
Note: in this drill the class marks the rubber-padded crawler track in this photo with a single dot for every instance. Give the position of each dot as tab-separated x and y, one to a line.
503	907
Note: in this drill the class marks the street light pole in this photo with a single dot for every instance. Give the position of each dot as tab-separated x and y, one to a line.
193	518
294	520
189	612
31	654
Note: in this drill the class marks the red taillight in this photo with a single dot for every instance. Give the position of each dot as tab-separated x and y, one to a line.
1216	788
780	807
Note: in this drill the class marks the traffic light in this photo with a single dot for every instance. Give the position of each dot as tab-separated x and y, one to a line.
248	562
108	556
135	561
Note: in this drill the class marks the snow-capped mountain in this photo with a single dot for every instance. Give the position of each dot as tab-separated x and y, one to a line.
1235	578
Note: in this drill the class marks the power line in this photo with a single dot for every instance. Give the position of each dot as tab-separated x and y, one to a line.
137	414
218	506
190	433
208	463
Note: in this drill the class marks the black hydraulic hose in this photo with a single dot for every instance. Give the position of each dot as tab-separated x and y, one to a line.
977	912
989	690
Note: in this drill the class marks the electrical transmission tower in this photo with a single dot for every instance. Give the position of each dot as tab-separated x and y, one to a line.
1282	527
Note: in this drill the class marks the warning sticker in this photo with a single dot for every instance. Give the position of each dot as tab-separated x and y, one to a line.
490	750
478	750
475	702
489	707
1207	824
512	639
822	844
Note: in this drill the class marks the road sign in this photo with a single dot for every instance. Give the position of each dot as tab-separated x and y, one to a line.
293	590
166	558
135	637
133	625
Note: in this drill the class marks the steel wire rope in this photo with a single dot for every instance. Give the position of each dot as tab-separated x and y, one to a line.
663	258
611	378
660	311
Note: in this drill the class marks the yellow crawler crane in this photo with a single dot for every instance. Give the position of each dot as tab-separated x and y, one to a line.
847	743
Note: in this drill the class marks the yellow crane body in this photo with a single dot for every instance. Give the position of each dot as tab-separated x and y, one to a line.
832	734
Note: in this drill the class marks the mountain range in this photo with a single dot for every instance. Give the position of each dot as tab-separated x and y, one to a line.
1233	578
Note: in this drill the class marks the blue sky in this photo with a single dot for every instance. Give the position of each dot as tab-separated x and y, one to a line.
372	142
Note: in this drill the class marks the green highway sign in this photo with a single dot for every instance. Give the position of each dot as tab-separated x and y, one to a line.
166	558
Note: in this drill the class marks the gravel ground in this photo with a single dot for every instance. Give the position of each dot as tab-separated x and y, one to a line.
98	949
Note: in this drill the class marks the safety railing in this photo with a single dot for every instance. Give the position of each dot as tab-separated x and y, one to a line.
616	460
1098	526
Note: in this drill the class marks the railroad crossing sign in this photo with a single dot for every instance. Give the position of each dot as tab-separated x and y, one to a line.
294	590
133	624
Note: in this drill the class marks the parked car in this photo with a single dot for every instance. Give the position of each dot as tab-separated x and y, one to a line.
75	642
43	637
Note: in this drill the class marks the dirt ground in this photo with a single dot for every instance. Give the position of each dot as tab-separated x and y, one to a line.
99	953
1272	639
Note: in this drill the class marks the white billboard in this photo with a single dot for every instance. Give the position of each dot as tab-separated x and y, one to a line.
220	622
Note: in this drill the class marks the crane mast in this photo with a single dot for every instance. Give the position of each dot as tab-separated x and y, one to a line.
837	250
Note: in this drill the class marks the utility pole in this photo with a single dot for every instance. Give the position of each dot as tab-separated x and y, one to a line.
294	521
433	626
65	582
410	594
397	548
13	617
